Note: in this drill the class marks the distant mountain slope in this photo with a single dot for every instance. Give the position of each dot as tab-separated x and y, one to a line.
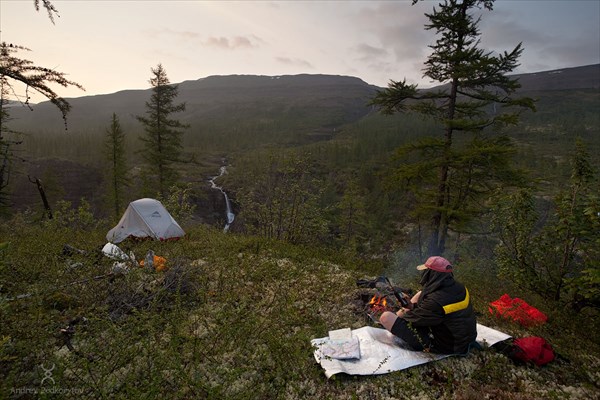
289	102
309	101
586	77
576	78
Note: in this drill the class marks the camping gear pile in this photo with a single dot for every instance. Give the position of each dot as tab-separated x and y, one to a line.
152	261
532	349
123	261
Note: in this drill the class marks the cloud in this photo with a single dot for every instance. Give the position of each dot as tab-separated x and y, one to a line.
236	42
296	62
395	42
543	49
185	35
367	52
501	35
398	27
222	42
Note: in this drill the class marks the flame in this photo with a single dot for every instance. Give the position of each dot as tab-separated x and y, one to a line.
379	301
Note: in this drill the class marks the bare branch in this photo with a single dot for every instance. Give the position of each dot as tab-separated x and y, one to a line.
49	8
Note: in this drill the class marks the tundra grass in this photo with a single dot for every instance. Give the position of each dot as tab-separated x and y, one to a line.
232	318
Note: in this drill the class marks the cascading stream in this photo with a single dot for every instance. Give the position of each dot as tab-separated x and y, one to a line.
213	185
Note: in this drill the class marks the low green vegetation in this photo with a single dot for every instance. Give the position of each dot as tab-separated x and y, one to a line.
233	317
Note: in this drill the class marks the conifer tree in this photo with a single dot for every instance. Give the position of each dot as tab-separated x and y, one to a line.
117	166
162	145
476	94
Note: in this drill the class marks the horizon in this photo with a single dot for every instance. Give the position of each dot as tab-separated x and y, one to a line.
274	76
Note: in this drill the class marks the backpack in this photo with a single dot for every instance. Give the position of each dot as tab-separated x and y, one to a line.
531	349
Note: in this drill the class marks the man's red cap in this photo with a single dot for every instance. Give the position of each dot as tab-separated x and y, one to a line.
436	263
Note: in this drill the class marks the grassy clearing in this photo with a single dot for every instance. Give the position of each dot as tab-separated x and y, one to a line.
232	319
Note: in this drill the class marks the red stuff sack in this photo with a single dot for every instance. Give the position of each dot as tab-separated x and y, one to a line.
532	349
517	310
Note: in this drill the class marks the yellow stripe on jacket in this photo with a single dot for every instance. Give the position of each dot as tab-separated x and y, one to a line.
461	305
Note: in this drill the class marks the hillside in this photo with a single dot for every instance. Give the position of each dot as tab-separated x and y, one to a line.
232	318
303	102
585	77
300	101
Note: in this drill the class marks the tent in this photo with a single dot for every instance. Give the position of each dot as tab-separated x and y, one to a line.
145	218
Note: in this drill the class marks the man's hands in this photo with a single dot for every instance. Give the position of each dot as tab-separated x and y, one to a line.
416	297
400	313
411	304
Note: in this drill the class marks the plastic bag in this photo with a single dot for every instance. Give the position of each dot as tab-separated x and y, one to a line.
112	251
517	310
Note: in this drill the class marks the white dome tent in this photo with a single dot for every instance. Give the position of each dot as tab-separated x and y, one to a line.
145	218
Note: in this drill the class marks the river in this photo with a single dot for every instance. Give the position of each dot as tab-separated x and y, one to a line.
229	213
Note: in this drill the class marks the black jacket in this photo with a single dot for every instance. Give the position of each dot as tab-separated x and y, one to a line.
445	307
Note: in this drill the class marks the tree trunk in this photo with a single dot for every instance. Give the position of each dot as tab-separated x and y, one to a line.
438	235
43	195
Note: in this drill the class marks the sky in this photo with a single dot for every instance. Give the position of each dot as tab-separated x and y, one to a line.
111	45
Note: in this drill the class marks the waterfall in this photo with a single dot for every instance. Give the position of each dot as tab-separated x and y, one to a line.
213	185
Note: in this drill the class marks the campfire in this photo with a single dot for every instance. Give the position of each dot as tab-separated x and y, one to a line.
375	304
378	304
376	297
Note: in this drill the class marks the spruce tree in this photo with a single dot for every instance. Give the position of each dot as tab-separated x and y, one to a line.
475	93
117	166
162	145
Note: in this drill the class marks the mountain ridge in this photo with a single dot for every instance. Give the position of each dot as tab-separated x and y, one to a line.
580	77
583	77
336	93
214	97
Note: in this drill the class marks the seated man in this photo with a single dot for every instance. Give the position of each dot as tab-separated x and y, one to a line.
440	317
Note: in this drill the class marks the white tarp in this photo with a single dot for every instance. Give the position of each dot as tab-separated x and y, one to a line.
381	352
145	218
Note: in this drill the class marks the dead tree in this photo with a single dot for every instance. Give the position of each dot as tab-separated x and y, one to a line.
43	194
